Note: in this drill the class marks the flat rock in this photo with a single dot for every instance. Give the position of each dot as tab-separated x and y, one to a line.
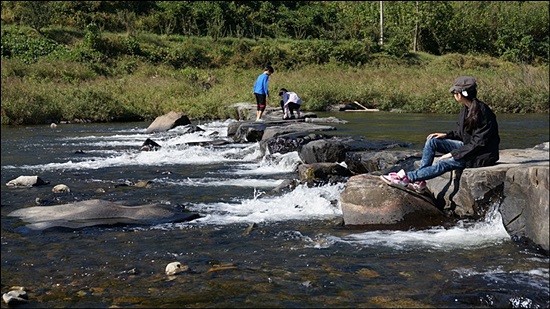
98	212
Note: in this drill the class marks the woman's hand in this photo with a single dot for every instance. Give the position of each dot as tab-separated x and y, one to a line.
436	135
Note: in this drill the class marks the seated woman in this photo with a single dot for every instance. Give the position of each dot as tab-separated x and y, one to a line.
473	143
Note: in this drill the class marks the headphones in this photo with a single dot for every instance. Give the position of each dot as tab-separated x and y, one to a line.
465	93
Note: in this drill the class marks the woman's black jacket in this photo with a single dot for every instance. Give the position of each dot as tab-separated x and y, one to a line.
480	144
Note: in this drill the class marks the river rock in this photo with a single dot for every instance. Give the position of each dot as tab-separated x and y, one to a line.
174	268
382	161
288	142
367	200
27	181
286	127
322	151
321	173
519	182
168	121
149	145
250	132
15	297
61	188
525	206
467	191
98	212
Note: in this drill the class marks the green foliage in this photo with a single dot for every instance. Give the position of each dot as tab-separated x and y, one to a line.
35	107
98	75
516	31
351	52
27	48
35	14
91	104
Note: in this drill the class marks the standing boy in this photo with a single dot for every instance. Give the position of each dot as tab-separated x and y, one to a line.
261	91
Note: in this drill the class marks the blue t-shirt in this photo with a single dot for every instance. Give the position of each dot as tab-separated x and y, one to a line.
260	86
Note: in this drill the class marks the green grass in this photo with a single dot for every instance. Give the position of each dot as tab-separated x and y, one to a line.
131	88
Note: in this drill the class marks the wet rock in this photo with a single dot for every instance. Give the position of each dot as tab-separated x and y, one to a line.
61	188
174	268
248	132
98	213
190	128
15	297
320	151
143	184
367	200
322	173
381	161
467	192
149	145
168	121
27	181
288	142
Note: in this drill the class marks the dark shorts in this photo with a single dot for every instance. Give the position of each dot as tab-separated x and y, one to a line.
260	101
291	106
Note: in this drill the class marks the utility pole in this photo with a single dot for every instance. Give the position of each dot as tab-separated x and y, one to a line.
415	28
381	23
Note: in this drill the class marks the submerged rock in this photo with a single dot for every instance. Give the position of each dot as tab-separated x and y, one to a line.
98	212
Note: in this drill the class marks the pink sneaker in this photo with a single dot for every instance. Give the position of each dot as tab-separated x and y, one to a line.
398	179
419	186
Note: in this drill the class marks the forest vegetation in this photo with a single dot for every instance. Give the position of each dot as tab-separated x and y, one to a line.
135	60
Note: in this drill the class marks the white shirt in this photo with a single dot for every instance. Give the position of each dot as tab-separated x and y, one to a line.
291	97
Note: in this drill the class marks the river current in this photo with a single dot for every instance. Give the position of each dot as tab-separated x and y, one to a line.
252	247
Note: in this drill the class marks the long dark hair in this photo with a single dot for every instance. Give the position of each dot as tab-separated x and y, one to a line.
471	121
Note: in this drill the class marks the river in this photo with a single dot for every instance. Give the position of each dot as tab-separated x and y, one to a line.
251	247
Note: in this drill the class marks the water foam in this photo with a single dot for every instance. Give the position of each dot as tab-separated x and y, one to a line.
464	235
302	203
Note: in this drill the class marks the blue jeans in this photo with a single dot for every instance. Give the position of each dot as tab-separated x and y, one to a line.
427	170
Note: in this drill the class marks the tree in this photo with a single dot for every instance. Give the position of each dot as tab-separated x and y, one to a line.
36	14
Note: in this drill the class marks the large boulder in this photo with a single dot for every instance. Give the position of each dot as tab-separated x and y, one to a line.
98	212
320	151
519	182
468	192
367	200
525	207
168	121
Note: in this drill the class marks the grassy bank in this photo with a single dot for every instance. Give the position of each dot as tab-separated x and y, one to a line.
52	90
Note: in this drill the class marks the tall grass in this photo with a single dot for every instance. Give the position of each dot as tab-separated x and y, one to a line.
50	91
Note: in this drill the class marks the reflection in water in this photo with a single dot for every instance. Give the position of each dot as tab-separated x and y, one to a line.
253	247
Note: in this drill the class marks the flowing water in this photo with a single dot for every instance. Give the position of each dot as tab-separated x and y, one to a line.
252	247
